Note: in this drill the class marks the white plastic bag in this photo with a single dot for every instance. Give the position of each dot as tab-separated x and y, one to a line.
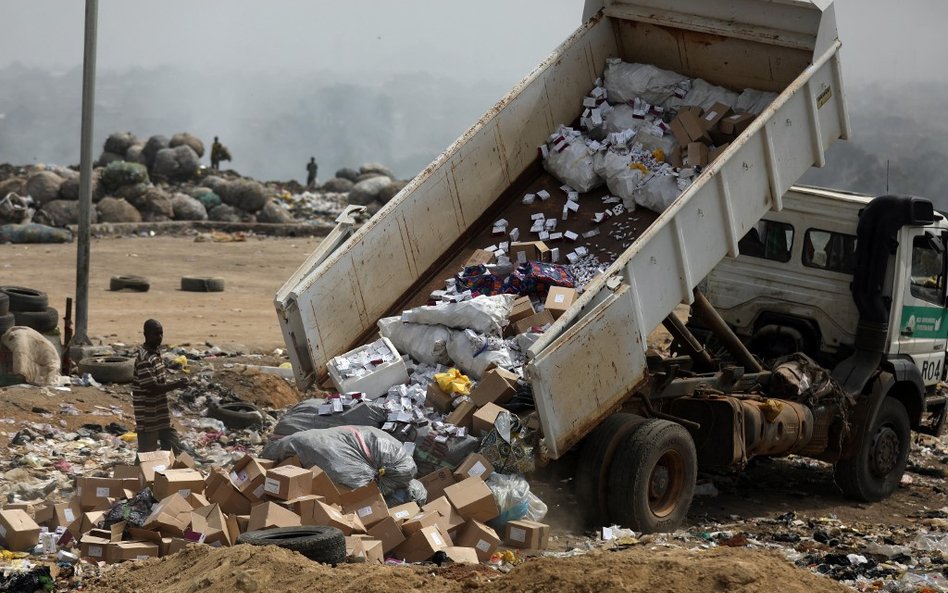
621	119
624	82
651	142
611	162
423	343
573	165
658	193
34	358
705	94
514	499
473	353
483	314
753	101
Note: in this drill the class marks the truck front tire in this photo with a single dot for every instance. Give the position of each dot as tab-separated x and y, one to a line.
652	477
876	469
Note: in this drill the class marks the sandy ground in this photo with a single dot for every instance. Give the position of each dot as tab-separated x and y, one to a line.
253	271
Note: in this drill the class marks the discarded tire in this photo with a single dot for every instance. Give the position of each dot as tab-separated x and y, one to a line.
109	369
136	283
42	321
201	284
6	322
322	544
4	304
652	477
235	415
876	469
25	299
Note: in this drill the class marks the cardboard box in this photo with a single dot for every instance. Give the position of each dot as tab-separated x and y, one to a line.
559	299
539	320
248	476
293	460
210	526
325	514
697	155
462	415
324	486
437	481
715	152
679	132
422	545
269	514
480	257
84	522
197	501
673	158
388	532
367	503
360	547
694	127
484	419
404	512
420	521
18	532
243	523
59	515
219	489
735	124
27	506
288	482
131	476
450	518
304	506
473	499
526	534
184	461
171	516
174	545
713	116
474	465
522	308
530	250
116	552
93	547
438	399
178	481
462	555
497	386
92	492
154	461
479	536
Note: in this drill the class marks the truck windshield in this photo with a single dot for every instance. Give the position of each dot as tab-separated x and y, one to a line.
768	240
927	265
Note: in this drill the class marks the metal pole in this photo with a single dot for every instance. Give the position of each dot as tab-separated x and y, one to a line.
85	174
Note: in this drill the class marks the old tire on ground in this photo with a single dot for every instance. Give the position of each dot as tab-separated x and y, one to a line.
592	467
652	477
136	283
6	322
43	322
4	304
109	369
202	284
235	415
25	299
876	469
322	544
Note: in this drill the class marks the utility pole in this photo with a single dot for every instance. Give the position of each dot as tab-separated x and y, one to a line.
85	174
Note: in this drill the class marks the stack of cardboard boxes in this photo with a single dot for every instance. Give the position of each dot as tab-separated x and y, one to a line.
704	135
260	494
477	412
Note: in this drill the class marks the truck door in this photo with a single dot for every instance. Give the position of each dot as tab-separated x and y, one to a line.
923	330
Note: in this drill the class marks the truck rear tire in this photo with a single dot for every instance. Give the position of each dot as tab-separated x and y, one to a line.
876	469
652	477
592	468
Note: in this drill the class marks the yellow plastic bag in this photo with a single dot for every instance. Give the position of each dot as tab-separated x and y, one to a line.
453	381
128	437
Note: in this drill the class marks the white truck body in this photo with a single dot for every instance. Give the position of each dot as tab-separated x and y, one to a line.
593	357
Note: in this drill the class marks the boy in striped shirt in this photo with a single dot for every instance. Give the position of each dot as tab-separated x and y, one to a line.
150	395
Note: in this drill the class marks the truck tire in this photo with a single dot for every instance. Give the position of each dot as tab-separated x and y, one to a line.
135	283
652	477
322	544
876	469
592	468
6	322
109	369
202	284
4	304
25	299
43	322
236	415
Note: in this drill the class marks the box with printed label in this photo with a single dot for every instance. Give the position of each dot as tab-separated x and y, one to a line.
733	125
84	522
404	512
324	514
304	506
462	415
288	482
474	465
694	126
367	503
324	486
210	526
479	536
422	545
437	481
170	517
18	532
131	476
122	551
480	257
472	499
438	399
269	514
522	307
713	116
529	535
366	548
497	386
422	520
248	475
154	461
93	547
219	489
484	419
94	491
62	514
521	253
462	555
388	532
178	481
541	319
559	299
450	518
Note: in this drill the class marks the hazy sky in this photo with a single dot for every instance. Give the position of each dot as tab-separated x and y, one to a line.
491	39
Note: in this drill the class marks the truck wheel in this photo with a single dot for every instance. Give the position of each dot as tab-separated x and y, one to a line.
876	469
322	544
592	467
652	477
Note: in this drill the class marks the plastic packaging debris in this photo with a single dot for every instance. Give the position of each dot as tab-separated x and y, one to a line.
352	456
514	499
754	101
452	381
509	445
474	353
570	160
625	82
483	314
657	193
320	413
134	511
423	343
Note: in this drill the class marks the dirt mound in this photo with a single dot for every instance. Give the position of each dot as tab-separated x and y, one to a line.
258	388
246	569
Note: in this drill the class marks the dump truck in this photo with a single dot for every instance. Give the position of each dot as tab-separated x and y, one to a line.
644	423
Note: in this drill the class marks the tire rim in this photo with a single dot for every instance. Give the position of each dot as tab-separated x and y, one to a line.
666	483
884	452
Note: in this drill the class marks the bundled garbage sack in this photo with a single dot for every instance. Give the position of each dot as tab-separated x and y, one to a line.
33	233
438	449
657	192
514	499
624	82
705	95
34	357
570	160
317	413
423	343
352	456
135	511
474	353
483	314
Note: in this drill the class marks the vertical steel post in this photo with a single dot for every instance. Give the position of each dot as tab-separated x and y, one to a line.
85	173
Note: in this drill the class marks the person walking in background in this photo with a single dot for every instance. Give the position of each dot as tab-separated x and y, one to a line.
311	168
150	395
219	153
